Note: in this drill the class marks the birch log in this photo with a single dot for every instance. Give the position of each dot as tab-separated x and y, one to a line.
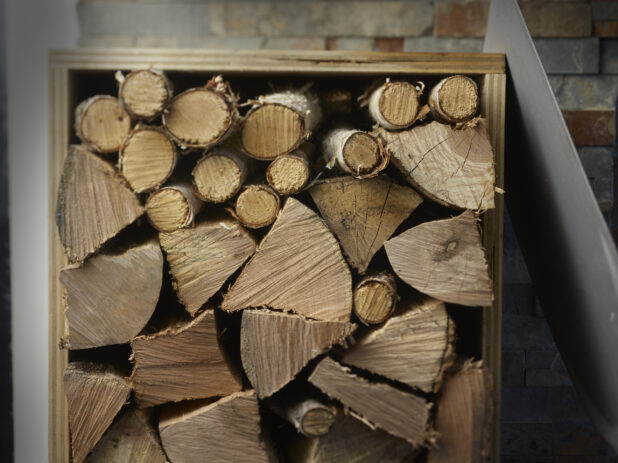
355	152
395	105
102	123
375	298
257	206
454	100
144	93
309	416
289	173
172	207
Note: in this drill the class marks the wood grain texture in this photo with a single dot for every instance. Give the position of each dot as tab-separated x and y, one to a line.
224	431
402	414
110	298
444	259
309	416
375	298
289	173
159	377
219	175
94	203
102	123
305	275
414	347
94	395
363	213
354	152
257	206
202	258
275	346
454	99
144	93
453	167
172	207
394	105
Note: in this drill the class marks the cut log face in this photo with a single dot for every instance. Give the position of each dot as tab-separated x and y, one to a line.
131	439
355	152
415	347
444	259
463	419
181	363
454	99
363	214
145	93
275	346
404	415
172	207
202	258
297	267
102	123
225	431
257	206
394	105
289	173
94	203
218	176
110	299
375	298
94	397
309	416
452	167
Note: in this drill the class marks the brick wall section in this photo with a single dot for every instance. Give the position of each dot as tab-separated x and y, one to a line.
577	42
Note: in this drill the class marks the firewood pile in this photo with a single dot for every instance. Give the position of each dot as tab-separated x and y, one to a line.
277	277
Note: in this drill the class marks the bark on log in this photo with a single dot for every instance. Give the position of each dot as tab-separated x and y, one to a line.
147	158
414	347
452	167
172	207
309	416
454	100
375	298
110	298
402	414
444	259
275	346
181	363
278	123
289	173
94	203
102	124
144	93
310	277
395	105
94	394
257	206
363	214
355	152
228	430
202	258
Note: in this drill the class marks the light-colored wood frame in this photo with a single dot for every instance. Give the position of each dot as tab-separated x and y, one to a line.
65	63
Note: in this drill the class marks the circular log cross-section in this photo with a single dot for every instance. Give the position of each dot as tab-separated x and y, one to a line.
102	123
218	176
145	93
257	206
394	105
355	152
375	298
147	159
454	99
288	174
317	421
172	208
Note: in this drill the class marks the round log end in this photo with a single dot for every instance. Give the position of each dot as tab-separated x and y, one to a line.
257	206
375	299
457	98
217	178
287	174
317	422
168	210
103	123
144	93
362	154
399	104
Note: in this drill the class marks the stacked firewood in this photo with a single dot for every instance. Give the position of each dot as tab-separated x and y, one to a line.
285	298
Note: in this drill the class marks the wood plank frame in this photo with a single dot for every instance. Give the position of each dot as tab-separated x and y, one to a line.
65	63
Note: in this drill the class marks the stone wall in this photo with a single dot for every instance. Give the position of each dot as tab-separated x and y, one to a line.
577	41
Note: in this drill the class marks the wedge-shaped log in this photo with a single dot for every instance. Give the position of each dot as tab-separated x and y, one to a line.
224	431
275	346
298	267
414	347
463	419
94	394
202	258
102	123
144	93
94	203
181	363
453	167
131	439
444	259
402	414
110	298
363	213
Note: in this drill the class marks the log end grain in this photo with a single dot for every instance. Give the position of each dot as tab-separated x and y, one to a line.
288	174
145	93
454	99
398	104
217	177
168	210
375	298
317	421
102	123
257	206
363	154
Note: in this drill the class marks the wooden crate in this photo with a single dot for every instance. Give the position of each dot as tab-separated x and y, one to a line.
74	71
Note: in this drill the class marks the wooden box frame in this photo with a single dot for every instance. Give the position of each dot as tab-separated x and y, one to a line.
64	64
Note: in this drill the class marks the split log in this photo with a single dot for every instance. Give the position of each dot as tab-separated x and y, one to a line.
172	207
289	173
144	93
444	259
94	397
349	441
395	105
452	167
201	117
309	416
110	298
278	123
454	100
375	298
363	214
402	414
415	347
147	158
298	267
464	415
131	439
257	206
275	346
227	431
94	203
355	152
102	123
203	257
181	363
